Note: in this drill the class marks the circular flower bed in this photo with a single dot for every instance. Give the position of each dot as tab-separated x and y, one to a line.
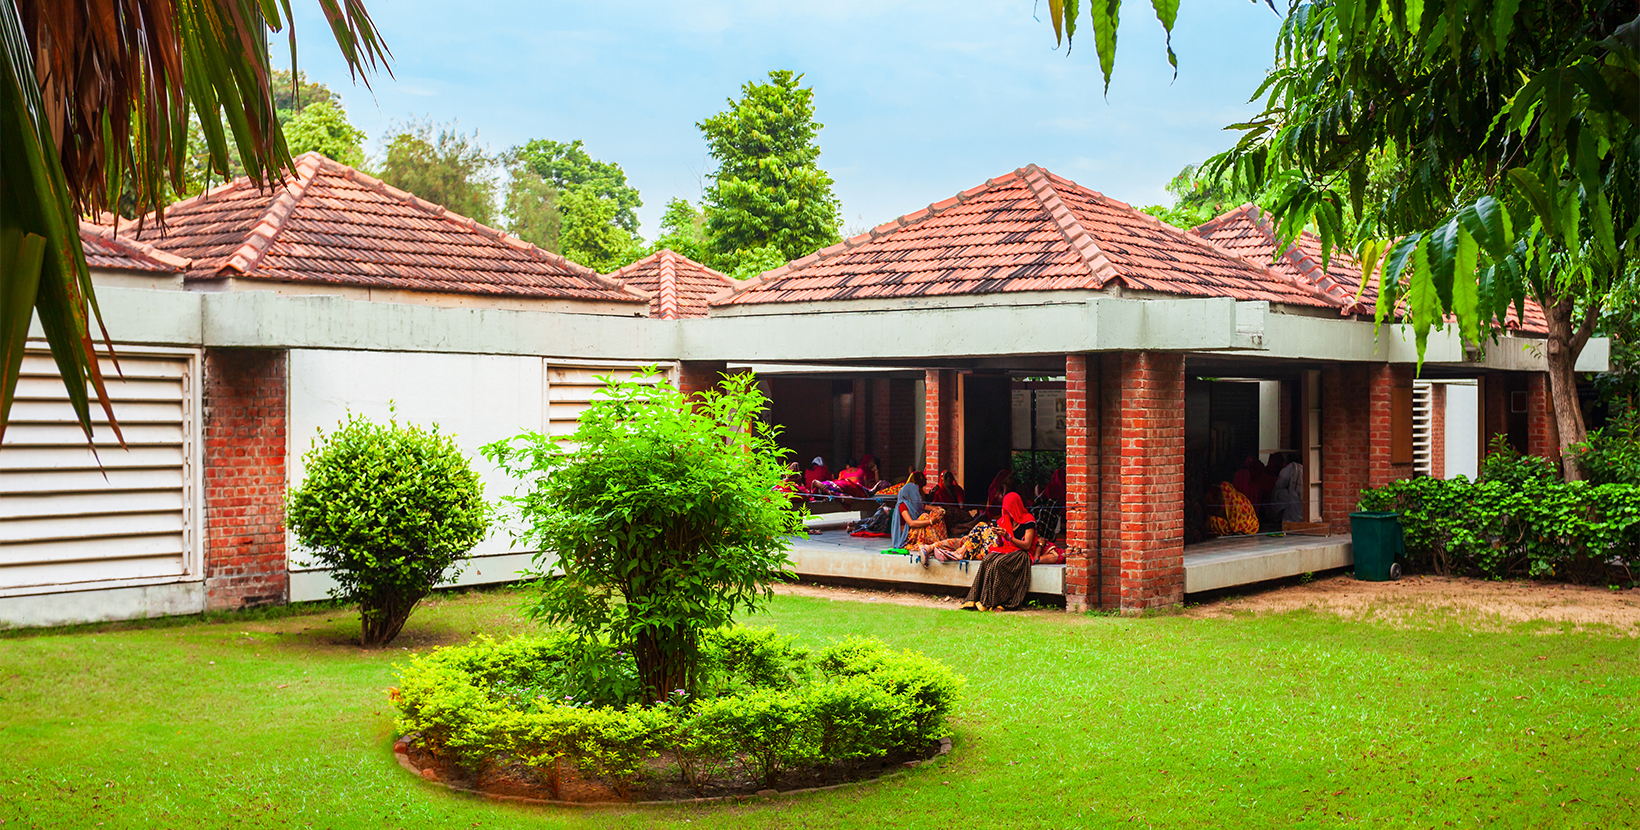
554	718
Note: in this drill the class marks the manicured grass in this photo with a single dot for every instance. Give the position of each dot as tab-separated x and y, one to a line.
1298	719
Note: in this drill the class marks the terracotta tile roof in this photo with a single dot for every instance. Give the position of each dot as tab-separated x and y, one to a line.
681	285
331	224
1026	231
105	248
1249	233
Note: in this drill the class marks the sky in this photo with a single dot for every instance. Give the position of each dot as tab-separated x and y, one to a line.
919	99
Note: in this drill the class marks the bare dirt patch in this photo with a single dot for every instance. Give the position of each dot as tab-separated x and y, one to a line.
1488	604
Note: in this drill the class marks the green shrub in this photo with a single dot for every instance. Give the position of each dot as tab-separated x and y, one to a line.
782	710
1612	453
663	522
1504	465
759	658
1524	524
391	510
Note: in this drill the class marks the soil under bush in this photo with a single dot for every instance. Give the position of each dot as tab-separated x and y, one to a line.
658	782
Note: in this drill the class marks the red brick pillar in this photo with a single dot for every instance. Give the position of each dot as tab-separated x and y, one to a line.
1142	452
1437	430
700	375
1541	437
939	421
1390	424
1081	541
244	426
1345	400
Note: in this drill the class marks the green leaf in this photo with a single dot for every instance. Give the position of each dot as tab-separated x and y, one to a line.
1488	222
1105	20
22	256
1466	288
1167	11
1442	255
1537	196
1422	304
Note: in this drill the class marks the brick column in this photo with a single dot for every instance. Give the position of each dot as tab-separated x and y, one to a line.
244	426
1382	467
1437	430
1081	542
940	440
1140	429
700	375
1345	402
1541	434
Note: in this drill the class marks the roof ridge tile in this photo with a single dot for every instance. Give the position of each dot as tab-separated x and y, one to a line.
137	247
1099	266
667	284
249	253
1312	278
886	228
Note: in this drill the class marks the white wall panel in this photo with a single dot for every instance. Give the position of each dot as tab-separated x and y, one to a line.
77	515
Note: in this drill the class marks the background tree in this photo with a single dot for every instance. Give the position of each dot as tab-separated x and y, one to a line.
294	93
443	166
664	519
323	128
533	214
683	229
769	188
97	95
590	235
391	510
1198	197
597	208
1527	184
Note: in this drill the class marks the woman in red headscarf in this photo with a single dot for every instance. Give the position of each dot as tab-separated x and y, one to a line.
1000	486
1004	576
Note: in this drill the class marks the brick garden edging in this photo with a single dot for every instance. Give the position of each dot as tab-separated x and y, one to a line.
401	752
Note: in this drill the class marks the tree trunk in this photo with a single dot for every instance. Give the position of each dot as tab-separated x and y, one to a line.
1567	336
661	667
382	619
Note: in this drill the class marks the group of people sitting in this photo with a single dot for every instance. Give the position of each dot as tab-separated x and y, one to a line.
1273	489
1005	538
860	479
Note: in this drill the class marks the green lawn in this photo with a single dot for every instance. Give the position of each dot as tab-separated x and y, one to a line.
1069	721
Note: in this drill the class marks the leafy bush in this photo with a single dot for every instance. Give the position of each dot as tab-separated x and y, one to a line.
858	699
664	519
1523	523
1612	453
1033	469
1504	465
390	509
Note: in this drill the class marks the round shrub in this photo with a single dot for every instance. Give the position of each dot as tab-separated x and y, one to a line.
774	709
390	509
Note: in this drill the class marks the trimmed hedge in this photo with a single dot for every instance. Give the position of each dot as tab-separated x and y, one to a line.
1519	519
774	709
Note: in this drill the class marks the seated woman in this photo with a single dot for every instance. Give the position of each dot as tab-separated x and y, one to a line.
873	478
1287	497
1229	513
912	523
815	473
1004	576
949	495
1000	486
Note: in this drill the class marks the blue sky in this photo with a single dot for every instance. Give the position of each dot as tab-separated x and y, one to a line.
920	99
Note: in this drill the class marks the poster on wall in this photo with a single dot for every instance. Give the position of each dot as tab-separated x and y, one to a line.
1050	420
1020	422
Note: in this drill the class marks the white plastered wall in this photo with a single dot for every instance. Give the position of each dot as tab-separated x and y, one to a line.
475	398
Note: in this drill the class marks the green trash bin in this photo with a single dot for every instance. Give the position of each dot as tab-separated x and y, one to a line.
1376	537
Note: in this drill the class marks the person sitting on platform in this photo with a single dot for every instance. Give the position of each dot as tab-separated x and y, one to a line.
914	524
1229	513
1004	576
815	473
1001	485
1287	498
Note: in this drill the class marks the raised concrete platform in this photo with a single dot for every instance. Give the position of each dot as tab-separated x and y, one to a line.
832	553
1225	563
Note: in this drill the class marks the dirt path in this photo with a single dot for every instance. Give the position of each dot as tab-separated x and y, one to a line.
1488	603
